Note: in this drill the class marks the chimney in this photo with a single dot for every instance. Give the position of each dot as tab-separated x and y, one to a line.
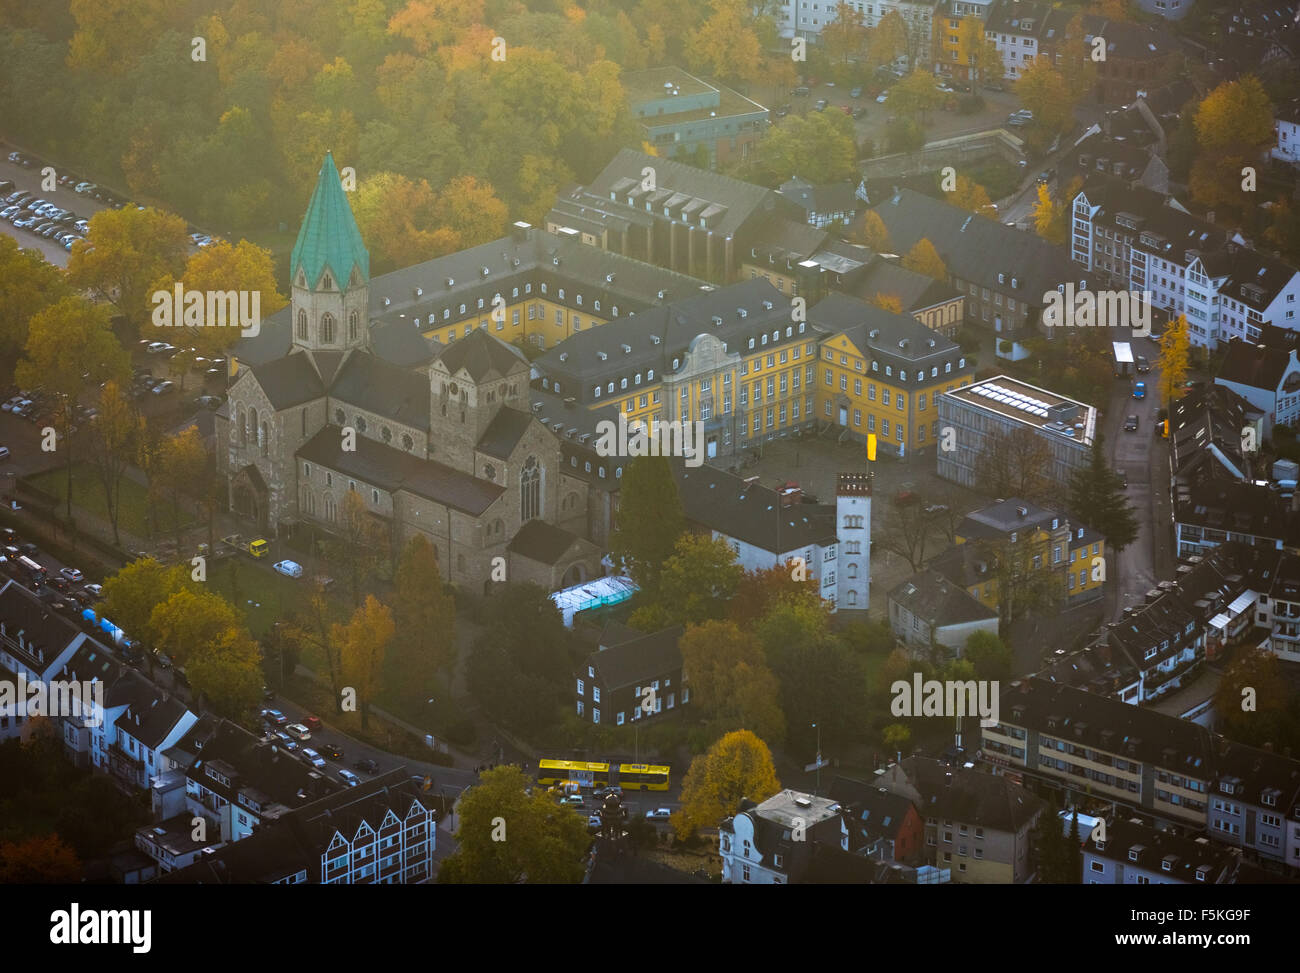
790	494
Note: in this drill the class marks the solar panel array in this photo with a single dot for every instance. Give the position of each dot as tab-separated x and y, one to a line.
1012	398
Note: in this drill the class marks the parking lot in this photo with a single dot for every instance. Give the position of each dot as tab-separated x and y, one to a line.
37	217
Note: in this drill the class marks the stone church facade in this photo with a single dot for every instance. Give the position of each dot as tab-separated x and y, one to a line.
435	440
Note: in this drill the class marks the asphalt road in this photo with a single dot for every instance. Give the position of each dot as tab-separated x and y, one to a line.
1132	453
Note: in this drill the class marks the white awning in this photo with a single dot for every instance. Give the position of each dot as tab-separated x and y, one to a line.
1123	351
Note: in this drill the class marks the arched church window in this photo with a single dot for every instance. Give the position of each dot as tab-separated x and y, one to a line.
326	328
530	490
361	423
339	417
407	442
302	325
354	325
386	434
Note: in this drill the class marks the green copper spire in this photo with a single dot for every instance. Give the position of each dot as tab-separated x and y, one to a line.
329	236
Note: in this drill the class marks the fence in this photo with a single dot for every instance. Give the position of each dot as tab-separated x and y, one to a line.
960	150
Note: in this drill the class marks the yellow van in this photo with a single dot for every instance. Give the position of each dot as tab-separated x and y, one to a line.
258	548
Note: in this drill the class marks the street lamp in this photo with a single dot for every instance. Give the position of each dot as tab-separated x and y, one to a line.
817	789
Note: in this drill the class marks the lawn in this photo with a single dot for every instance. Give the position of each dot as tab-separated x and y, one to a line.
264	596
88	494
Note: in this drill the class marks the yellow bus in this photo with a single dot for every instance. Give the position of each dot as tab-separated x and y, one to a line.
552	772
642	777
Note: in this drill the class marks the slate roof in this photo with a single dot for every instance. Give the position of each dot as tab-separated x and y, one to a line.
637	660
541	542
393	470
1178	231
966	795
652	338
873	810
897	339
1108	724
395	393
289	381
1205	433
1254	278
1238	507
975	248
785	239
914	291
329	236
723	502
481	356
821	198
41	628
931	596
1185	855
402	343
741	199
1255	365
504	432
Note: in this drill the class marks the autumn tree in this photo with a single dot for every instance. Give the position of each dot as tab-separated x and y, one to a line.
1074	60
846	35
915	95
1049	217
1014	464
1234	124
65	342
507	836
312	628
888	302
362	643
39	860
872	232
923	258
132	594
731	683
821	679
425	617
971	196
887	40
725	45
818	147
227	671
130	251
696	583
28	285
1044	91
1173	360
180	470
357	544
991	657
905	529
224	269
1251	697
112	442
977	51
738	766
761	590
650	519
190	620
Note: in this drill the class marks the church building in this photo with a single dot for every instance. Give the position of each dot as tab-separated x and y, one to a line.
435	438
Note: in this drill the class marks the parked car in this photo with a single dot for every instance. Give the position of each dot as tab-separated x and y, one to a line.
330	750
856	92
274	717
803	91
574	800
1143	366
290	569
1131	424
882	97
94	590
659	814
1140	390
284	740
368	765
821	104
72	574
298	731
163	387
313	758
4	452
312	722
349	778
594	823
